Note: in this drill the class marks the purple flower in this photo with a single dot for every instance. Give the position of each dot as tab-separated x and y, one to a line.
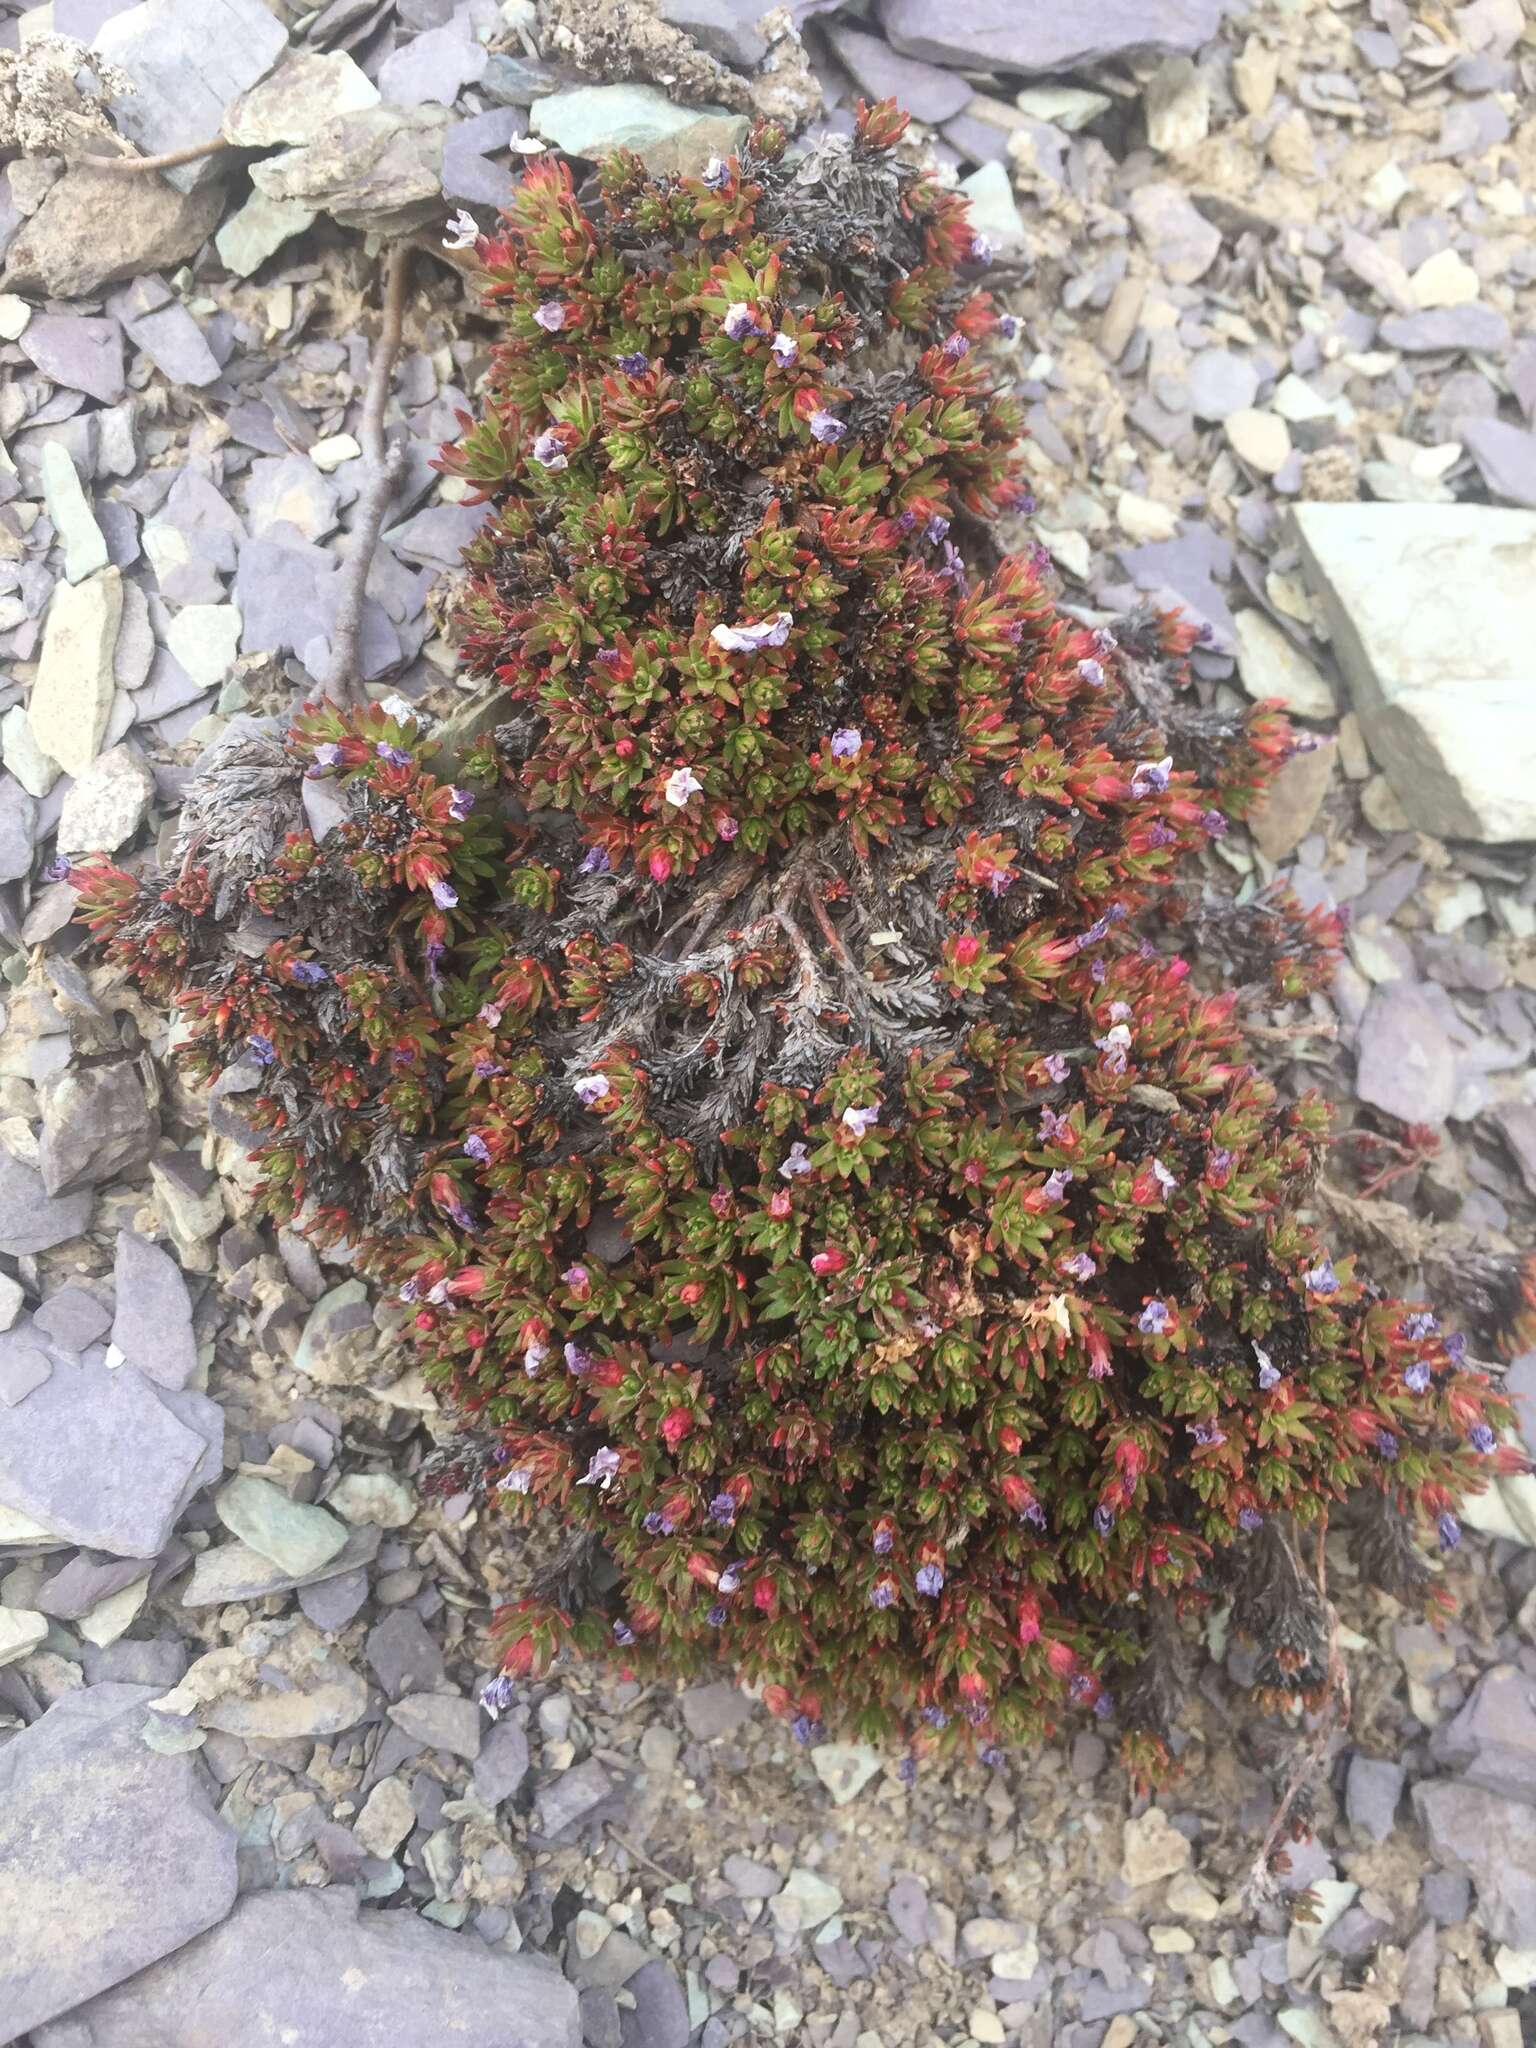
1007	327
784	348
516	1481
1249	1519
1456	1347
1386	1444
477	1149
550	316
602	1469
798	1162
591	1089
1055	1187
730	1578
57	870
716	173
656	1525
635	364
397	757
1104	1520
444	895
936	1717
577	1361
497	1695
548	450
846	742
1057	1066
954	348
715	1616
1322	1279
576	1276
1092	673
1482	1439
826	426
882	1594
1160	833
954	568
464	1218
1154	1319
1214	824
740	321
883	1542
595	861
1000	882
1207	1433
1416	1377
930	1580
1079	1266
1419	1325
1052	1126
980	250
1269	1372
1115	1046
1449	1531
623	1634
1104	1705
722	1509
309	973
936	529
263	1051
752	639
1150	778
861	1120
1034	1514
460	803
1219	1163
484	1068
804	1729
906	1770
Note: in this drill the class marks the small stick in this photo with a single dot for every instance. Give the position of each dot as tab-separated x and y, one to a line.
168	161
383	465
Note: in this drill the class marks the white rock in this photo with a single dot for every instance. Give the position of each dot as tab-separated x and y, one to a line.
386	1819
107	804
1269	665
1430	612
994	210
12	1295
985	2026
1144	518
372	1497
14	316
85	546
1151	1848
333	451
205	638
1444	280
71	700
302	93
1259	438
1178	107
258	230
805	1901
21	1630
845	1768
25	759
1069	107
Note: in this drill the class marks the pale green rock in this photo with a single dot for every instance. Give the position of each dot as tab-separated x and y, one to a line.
845	1768
994	210
21	1630
23	756
205	638
338	1338
296	99
298	1538
85	546
258	230
372	1497
15	313
805	1901
591	120
71	700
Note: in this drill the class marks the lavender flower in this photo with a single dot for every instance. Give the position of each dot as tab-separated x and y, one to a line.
906	1770
1456	1347
591	1089
623	1634
826	426
635	364
1386	1445
727	828
752	639
309	973
460	803
1419	1325
534	1355
1416	1377
1052	1126
1104	1705
722	1509
955	347
1269	1372
1207	1433
936	1717
1213	824
1079	1266
740	321
846	742
1150	778
936	529
444	895
1057	1065
1092	673
954	568
882	1542
548	451
1034	1513
602	1470
595	861
57	870
1115	1046
804	1729
497	1695
716	174
397	757
518	1480
682	783
861	1120
1154	1319
577	1361
1007	327
930	1580
715	1616
980	250
1160	833
1249	1519
656	1524
484	1068
550	316
1482	1439
262	1050
784	348
730	1578
797	1162
882	1594
1448	1529
1055	1187
1104	1520
477	1149
1322	1279
463	232
1166	1181
464	1218
576	1275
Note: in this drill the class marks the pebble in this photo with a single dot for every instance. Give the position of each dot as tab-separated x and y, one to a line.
72	697
74	523
1152	1848
204	639
1269	664
372	1497
386	1819
335	449
845	1768
296	1538
1260	439
107	802
440	1721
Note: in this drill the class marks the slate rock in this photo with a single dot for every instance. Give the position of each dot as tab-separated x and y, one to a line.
1269	664
71	699
31	1220
72	1319
1179	239
994	210
440	1720
331	1604
80	353
502	1765
18	826
710	1711
1220	383
591	120
659	2016
402	1655
187	60
1491	1840
1032	37
62	252
1505	454
564	1801
1492	1740
106	804
85	1582
305	90
1371	1793
1292	797
467	172
161	326
234	1571
96	1121
23	1368
111	1856
274	1972
74	523
297	1538
1473	327
1406	1063
1428	613
306	1688
152	1326
378	169
435	66
927	93
258	230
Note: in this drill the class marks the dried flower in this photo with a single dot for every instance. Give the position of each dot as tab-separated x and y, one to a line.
463	231
752	639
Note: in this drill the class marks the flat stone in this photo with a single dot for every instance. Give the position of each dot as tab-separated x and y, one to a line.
271	1971
1152	1848
24	758
1220	383
305	90
1371	1794
73	1320
845	1768
435	66
85	1582
1260	439
297	1538
1407	1064
378	169
387	1817
84	544
1492	1740
258	230
1476	328
23	1368
726	29
440	1720
62	252
1285	813
71	699
187	60
205	640
111	1856
564	1801
372	1497
591	120
305	1687
1491	1840
163	328
18	825
927	93
1269	664
152	1325
502	1765
79	353
1179	239
1177	106
233	1571
805	1901
1037	36
288	491
659	2015
105	805
97	1121
31	1220
1506	456
21	1630
96	1457
1428	610
710	1711
403	1656
994	210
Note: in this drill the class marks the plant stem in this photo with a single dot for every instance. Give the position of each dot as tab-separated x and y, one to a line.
168	161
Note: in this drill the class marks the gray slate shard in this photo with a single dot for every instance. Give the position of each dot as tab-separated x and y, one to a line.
1035	36
502	1765
726	29
1506	455
1492	1841
403	1656
97	1121
97	1457
1473	326
111	1856
275	1972
1371	1792
659	2016
927	93
153	1324
18	825
79	353
1492	1741
31	1220
1407	1064
187	59
73	1319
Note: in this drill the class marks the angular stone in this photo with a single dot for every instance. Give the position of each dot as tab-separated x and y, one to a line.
1479	328
1491	1840
659	2016
1220	383
1269	664
85	547
298	1539
435	66
403	1656
105	806
1492	1740
387	1817
994	210
1152	1848
372	1497
1179	239
1506	455
304	1687
258	230
1407	1064
30	1219
1284	814
152	1326
379	169
845	1768
71	699
1371	1793
1037	36
296	99
24	758
23	1368
18	823
502	1764
97	1458
97	1121
73	1320
233	1571
1259	438
927	93
287	491
268	1975
710	1711
440	1720
111	1856
21	1630
1428	609
162	327
591	120
187	60
564	1801
205	639
81	354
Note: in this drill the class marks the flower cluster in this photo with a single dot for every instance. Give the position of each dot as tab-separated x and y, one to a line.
764	1070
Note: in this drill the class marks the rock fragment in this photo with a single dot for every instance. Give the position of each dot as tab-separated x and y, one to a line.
107	803
72	697
187	60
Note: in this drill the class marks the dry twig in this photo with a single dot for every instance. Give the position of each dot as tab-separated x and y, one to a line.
167	161
383	464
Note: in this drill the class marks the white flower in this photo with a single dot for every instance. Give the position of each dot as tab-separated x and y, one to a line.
517	1481
682	783
591	1089
527	145
533	1357
749	639
602	1471
859	1120
463	231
